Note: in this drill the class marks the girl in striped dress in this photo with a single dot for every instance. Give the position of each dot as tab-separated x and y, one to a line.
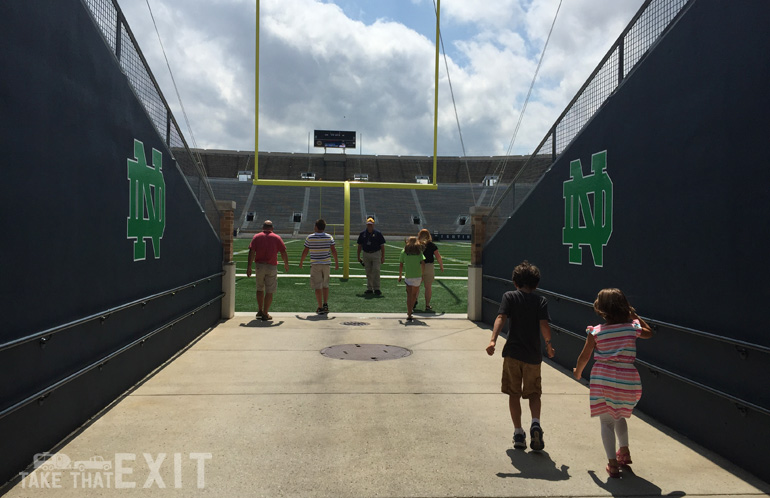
615	384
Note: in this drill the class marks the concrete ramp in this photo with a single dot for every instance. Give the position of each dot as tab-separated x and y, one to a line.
254	409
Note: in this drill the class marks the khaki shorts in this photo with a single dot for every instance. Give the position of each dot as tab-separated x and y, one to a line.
267	278
429	274
521	379
319	276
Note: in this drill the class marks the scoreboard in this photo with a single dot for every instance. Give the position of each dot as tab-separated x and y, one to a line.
336	139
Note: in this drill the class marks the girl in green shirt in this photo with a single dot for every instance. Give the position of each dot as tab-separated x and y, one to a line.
413	259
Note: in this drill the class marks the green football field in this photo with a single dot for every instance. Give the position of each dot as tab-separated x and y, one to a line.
450	295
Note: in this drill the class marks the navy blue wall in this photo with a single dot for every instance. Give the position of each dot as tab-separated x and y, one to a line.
68	121
685	136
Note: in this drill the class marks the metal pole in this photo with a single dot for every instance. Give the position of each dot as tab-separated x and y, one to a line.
435	98
256	104
346	239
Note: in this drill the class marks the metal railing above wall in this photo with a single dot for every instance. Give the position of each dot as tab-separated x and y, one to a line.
656	324
119	37
652	19
40	395
44	335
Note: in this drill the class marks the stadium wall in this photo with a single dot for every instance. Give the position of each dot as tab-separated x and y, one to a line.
684	139
86	315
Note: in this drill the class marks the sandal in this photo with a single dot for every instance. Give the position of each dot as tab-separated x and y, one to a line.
623	458
613	470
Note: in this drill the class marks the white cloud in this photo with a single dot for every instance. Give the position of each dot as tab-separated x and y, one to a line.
320	69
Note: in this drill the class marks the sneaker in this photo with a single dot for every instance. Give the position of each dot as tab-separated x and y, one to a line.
519	441
326	308
320	311
377	292
369	291
409	318
536	433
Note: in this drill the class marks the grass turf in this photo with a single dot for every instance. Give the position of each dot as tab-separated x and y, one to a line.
347	295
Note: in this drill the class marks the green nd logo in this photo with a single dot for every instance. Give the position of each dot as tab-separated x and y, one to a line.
588	210
146	202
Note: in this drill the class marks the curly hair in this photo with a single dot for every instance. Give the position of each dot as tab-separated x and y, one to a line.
526	275
612	305
412	246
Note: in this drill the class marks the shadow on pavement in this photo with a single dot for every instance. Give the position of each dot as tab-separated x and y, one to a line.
315	317
262	324
535	465
630	484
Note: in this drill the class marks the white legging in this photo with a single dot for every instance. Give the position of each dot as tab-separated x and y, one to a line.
610	428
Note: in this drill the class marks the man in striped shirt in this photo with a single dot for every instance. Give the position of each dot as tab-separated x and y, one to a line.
321	247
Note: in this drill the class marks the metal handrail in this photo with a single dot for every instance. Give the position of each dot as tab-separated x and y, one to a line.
740	403
656	369
653	322
103	315
42	394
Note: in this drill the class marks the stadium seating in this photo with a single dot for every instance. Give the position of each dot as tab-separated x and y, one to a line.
400	169
398	212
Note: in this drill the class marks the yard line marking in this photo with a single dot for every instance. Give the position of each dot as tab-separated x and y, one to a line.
394	277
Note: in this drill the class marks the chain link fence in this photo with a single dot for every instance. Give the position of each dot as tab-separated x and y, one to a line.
640	34
118	36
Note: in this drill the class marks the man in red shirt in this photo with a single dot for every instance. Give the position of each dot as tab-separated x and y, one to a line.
262	251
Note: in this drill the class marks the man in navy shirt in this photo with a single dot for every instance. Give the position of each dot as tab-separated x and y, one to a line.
372	243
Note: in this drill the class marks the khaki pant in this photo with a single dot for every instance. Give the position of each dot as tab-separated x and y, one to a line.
372	263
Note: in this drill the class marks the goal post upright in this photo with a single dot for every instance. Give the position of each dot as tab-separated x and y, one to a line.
256	104
346	234
435	89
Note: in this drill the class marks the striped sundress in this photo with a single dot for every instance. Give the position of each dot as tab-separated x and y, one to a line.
615	384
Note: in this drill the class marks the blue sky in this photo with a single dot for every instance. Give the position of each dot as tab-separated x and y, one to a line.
367	66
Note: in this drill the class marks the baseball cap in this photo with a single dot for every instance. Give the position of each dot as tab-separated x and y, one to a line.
370	221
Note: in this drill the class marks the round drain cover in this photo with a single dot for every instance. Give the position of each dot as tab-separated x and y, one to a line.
365	352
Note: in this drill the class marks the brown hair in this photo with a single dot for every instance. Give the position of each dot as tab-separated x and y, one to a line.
526	275
612	305
412	246
320	224
424	237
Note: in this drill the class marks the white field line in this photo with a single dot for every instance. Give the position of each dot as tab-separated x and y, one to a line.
394	277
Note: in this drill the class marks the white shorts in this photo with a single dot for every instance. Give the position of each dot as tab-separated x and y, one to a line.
413	282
